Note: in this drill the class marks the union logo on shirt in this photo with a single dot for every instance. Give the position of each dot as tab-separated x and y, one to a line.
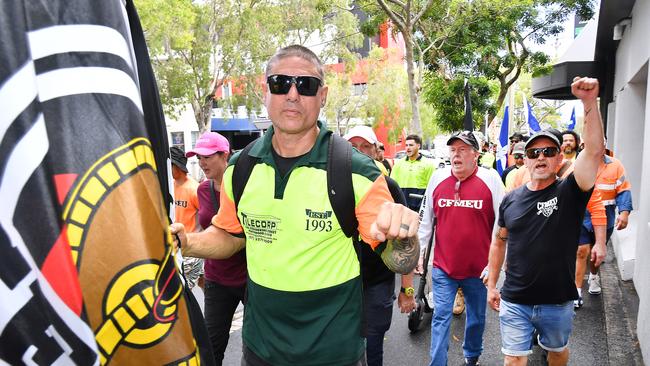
476	204
547	208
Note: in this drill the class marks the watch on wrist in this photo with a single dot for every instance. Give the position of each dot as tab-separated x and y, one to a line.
409	291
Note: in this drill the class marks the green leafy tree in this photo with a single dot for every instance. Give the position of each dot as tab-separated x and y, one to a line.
345	101
388	102
429	128
197	46
446	96
405	16
433	25
500	34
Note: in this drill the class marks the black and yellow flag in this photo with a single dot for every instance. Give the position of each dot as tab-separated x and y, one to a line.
87	274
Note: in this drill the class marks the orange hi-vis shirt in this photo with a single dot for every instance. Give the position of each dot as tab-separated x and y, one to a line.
186	204
595	205
610	180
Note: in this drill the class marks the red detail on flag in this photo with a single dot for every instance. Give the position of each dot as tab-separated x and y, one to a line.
62	183
61	273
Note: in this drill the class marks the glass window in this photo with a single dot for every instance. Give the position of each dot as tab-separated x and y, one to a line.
226	91
178	139
195	136
360	89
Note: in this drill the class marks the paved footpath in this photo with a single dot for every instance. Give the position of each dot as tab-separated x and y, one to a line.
587	344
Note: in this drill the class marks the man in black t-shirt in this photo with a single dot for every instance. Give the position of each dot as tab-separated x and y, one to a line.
540	222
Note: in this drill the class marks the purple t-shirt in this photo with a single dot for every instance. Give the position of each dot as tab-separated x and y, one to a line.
226	272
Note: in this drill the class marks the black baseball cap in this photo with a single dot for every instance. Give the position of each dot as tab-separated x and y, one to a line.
550	133
178	158
466	137
517	135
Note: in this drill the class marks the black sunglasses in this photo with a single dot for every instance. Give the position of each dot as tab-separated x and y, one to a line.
463	133
306	85
518	156
548	152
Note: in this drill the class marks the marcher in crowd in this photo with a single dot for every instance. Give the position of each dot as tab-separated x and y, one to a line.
378	280
487	158
595	217
570	144
363	138
614	190
508	175
225	279
464	200
412	173
382	159
304	285
540	223
186	209
593	236
514	139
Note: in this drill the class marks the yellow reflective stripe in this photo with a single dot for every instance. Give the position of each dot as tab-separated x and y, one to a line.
227	181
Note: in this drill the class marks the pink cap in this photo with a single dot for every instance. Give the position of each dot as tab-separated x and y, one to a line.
209	143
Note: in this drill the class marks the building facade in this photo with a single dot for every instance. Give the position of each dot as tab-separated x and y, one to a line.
621	55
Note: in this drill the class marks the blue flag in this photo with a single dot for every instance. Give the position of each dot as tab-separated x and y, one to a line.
572	120
502	152
533	124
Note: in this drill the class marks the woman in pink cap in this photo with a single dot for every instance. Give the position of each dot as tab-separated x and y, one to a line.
225	279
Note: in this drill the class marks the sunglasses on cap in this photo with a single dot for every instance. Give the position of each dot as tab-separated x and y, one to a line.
548	152
463	133
306	85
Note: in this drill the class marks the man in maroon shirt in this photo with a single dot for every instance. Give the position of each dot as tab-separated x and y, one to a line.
464	199
225	279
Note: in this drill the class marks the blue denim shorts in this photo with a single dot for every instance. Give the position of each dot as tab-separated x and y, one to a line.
588	237
518	322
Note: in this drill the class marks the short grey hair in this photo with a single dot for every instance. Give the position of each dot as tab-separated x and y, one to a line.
296	51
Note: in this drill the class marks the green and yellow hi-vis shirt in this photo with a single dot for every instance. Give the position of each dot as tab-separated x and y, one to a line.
412	173
304	293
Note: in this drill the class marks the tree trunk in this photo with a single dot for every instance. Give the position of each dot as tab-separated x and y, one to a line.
416	127
203	114
503	91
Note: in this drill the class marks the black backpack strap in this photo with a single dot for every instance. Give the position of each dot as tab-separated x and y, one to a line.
341	194
339	184
242	171
213	196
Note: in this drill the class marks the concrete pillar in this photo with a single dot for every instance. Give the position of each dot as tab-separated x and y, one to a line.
642	218
627	141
